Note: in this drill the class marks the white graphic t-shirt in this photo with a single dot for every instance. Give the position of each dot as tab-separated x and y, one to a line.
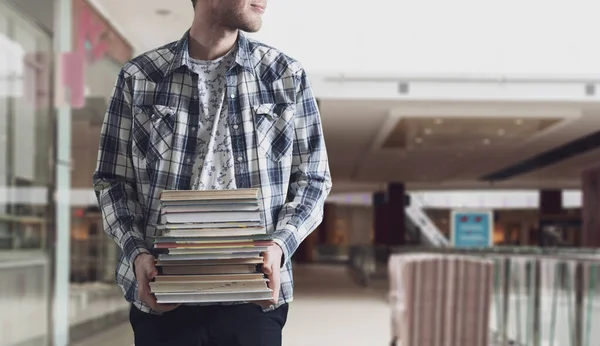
214	166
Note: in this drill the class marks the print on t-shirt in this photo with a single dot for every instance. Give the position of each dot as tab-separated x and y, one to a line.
214	166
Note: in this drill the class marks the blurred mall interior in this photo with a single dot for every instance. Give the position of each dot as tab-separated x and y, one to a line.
424	118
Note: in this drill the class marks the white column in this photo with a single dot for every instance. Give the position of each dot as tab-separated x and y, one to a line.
62	43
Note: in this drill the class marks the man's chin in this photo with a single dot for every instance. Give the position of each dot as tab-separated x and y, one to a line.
250	31
251	27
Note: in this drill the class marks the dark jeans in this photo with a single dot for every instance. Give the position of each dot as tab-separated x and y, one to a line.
231	325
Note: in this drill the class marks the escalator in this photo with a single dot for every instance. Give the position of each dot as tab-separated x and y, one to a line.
421	229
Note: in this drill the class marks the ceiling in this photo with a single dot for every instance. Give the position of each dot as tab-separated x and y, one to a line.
457	134
428	145
371	143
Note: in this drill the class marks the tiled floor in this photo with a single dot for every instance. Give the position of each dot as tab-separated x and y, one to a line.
88	301
329	309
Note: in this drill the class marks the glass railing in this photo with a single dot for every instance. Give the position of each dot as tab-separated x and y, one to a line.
24	297
540	297
331	253
368	263
546	299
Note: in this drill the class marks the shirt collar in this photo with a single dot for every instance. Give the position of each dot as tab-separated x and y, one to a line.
181	56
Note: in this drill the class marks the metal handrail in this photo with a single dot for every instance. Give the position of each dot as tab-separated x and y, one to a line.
550	253
466	78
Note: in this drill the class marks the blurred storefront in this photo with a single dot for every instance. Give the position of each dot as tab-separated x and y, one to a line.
26	137
93	255
28	144
26	176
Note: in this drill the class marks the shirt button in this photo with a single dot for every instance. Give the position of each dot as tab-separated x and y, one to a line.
240	159
193	129
232	96
195	97
235	127
188	160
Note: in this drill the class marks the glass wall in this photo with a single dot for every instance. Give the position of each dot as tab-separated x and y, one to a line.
26	138
25	132
93	254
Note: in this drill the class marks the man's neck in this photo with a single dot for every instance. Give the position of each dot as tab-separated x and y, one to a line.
208	41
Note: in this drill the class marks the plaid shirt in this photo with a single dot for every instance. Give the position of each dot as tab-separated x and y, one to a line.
149	137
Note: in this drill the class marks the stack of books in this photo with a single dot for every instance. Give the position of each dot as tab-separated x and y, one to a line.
210	247
440	300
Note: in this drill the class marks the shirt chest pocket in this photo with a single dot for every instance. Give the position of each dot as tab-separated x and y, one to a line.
152	133
274	126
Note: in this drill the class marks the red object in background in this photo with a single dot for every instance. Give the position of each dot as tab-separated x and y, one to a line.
73	77
79	213
478	219
90	46
90	36
464	219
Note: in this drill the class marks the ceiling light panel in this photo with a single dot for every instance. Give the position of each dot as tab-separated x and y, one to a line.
464	133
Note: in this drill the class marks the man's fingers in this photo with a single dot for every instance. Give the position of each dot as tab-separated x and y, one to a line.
275	280
145	272
144	290
266	267
274	284
150	300
267	270
152	273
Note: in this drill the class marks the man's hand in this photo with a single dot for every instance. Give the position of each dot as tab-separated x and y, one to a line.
145	271
272	268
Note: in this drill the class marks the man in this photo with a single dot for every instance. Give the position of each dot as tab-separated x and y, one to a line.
214	110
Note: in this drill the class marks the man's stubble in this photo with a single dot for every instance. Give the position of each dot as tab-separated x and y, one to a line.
236	19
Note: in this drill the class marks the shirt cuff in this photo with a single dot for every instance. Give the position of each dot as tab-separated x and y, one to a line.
287	239
133	245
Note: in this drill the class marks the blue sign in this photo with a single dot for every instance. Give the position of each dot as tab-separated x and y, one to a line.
472	229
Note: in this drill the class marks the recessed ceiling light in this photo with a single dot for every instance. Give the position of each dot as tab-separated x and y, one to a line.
486	141
419	140
519	122
163	12
501	132
439	121
428	131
